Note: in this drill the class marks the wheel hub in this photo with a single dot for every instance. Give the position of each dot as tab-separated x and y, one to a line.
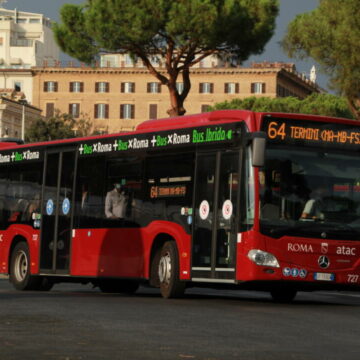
165	268
21	266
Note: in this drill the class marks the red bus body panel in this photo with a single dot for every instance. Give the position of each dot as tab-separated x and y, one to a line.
124	252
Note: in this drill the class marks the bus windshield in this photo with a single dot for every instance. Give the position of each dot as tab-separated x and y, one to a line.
310	193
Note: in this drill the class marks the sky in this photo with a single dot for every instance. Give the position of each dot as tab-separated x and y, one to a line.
273	52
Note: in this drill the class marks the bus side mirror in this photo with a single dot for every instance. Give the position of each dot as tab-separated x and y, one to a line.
258	143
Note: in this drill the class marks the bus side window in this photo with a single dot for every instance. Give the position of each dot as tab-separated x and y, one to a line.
89	192
127	174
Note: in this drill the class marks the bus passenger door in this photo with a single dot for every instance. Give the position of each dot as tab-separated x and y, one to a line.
215	214
57	210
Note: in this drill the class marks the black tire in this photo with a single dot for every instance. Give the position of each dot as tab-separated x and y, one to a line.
45	284
118	286
168	270
20	276
154	270
285	295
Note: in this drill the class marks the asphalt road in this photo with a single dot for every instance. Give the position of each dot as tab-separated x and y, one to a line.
78	322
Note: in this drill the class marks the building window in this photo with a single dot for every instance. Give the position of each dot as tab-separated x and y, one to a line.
284	92
180	87
17	85
50	86
101	111
231	88
258	88
205	108
128	60
102	87
153	111
109	61
155	61
153	87
76	86
206	88
74	110
50	110
34	21
127	111
127	87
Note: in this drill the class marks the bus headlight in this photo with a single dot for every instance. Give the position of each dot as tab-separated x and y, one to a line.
263	258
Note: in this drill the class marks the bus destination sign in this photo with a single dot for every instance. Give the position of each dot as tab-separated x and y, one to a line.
162	140
311	133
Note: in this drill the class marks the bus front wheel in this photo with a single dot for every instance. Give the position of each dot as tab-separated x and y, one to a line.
20	275
168	270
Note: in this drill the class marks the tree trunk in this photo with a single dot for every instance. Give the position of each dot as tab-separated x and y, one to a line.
354	105
176	102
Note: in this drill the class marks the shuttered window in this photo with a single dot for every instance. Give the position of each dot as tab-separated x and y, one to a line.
127	111
153	87
50	86
50	110
101	111
153	111
102	87
258	88
231	88
76	86
206	88
127	87
74	110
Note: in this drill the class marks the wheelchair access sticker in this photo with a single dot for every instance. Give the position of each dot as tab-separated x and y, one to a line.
49	207
66	206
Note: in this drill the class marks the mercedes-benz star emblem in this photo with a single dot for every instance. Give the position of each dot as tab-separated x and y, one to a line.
323	262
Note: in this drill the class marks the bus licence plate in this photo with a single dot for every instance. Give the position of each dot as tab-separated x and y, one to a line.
324	276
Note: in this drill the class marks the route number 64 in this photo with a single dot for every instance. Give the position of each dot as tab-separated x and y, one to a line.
275	131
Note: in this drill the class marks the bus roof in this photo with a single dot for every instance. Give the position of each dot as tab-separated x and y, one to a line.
251	118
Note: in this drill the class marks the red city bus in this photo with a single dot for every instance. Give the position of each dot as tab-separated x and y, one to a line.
225	199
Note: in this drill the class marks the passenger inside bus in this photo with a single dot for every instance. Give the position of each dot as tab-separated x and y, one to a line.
33	208
116	202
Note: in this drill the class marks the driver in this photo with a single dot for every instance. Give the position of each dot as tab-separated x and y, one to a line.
315	206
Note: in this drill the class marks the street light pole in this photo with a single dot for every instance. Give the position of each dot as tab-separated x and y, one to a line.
23	123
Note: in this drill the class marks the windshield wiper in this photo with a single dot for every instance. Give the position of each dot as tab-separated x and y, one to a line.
290	229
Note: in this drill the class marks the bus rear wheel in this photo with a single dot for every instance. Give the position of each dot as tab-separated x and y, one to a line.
20	275
118	286
285	295
168	270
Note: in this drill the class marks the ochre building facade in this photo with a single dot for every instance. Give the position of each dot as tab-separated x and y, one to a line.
119	98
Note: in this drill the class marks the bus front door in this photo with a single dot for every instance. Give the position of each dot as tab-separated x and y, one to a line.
56	212
215	213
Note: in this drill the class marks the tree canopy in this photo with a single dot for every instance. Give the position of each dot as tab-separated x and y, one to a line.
330	35
59	126
315	104
176	33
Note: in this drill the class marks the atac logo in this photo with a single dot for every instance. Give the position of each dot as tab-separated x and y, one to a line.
300	248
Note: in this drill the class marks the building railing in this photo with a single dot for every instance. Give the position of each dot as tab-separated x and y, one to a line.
22	42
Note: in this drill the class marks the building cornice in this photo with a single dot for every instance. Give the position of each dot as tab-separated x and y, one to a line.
291	74
134	70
